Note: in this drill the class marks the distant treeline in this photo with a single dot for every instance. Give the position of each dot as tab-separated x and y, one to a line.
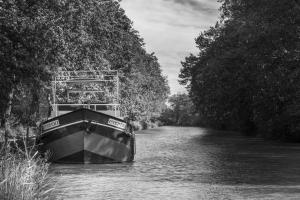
180	112
246	75
40	37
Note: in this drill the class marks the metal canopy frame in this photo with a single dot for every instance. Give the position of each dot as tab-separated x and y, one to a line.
83	76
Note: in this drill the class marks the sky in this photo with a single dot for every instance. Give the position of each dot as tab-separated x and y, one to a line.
169	29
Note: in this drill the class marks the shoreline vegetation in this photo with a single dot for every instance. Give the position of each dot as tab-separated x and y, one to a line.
23	172
180	112
143	125
245	76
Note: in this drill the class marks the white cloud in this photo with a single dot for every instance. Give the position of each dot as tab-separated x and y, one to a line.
169	28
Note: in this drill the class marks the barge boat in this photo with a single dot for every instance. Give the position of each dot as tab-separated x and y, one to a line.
86	126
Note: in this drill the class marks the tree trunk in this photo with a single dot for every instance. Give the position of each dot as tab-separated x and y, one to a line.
7	115
27	137
34	106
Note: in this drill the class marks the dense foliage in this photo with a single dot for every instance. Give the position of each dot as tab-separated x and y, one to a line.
246	76
180	112
40	37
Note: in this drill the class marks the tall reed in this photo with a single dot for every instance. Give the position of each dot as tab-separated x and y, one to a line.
23	174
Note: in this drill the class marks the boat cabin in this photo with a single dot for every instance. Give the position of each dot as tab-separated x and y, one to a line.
95	90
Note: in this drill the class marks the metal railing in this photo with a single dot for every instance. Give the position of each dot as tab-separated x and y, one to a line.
115	107
70	77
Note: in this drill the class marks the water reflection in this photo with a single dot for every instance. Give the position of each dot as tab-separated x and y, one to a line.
243	160
189	163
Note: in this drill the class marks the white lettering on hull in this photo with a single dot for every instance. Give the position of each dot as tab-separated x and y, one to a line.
50	125
116	123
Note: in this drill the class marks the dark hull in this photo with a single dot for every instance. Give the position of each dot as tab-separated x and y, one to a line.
86	136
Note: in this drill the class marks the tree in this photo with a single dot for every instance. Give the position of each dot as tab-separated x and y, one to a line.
181	111
246	75
40	38
27	52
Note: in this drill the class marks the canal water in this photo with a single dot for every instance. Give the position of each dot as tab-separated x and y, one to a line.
189	163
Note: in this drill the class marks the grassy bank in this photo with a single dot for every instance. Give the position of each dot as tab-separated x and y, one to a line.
23	174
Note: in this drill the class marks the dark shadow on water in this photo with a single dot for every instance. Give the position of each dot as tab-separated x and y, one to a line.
237	159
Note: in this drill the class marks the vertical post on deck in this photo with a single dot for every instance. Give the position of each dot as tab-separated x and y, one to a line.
54	96
117	87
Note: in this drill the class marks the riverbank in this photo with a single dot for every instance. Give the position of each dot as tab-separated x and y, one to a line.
278	137
144	125
23	173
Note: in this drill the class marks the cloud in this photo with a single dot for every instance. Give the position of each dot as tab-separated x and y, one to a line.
169	28
202	6
180	24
